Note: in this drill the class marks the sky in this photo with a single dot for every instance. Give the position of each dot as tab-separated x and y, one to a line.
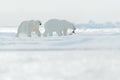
13	12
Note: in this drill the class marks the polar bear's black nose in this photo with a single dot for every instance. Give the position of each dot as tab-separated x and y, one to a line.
74	30
40	23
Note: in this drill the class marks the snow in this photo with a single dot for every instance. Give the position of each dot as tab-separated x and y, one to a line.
90	54
87	39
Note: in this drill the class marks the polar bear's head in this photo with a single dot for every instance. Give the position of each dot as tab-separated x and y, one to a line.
73	29
69	25
39	22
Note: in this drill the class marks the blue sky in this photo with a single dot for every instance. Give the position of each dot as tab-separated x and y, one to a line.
12	12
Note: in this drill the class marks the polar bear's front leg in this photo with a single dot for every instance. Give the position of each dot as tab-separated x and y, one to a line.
59	32
38	33
29	34
65	32
44	34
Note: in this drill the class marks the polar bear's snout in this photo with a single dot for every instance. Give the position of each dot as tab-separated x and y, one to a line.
74	30
39	22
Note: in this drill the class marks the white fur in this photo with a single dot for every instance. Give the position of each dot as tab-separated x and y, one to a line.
59	26
29	26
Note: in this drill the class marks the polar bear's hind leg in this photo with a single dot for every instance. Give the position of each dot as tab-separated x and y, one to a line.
18	32
65	32
50	33
17	35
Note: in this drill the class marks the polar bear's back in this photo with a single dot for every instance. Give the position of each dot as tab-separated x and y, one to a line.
27	26
66	24
52	24
24	26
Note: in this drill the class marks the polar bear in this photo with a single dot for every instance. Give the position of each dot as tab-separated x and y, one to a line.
59	26
29	26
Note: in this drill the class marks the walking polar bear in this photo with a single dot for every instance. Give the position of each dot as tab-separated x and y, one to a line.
59	26
29	26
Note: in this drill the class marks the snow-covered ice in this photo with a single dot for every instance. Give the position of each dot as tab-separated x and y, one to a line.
87	55
90	39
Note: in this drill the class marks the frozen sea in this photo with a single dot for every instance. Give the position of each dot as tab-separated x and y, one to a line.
90	54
